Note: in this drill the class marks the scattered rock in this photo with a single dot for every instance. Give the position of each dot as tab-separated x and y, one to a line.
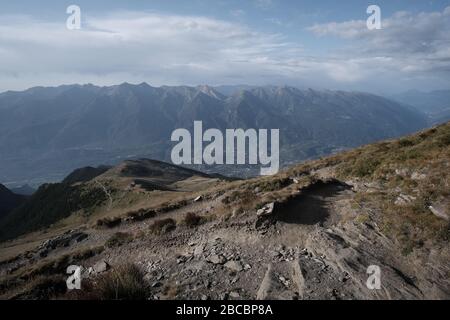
216	259
266	210
276	254
199	198
404	199
284	281
438	212
298	278
223	296
65	240
234	294
234	266
100	267
402	172
270	288
199	250
418	176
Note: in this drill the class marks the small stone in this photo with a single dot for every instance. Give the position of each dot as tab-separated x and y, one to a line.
438	212
216	259
223	296
198	198
247	267
100	266
266	210
404	199
180	260
418	176
199	250
234	294
275	254
234	266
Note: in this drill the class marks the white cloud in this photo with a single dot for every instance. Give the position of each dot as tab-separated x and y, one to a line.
412	42
410	48
172	49
162	49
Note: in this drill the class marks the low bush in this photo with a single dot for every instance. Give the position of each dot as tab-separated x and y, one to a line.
193	220
125	282
108	222
118	239
163	226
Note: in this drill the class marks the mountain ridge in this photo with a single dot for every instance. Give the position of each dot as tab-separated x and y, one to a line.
68	127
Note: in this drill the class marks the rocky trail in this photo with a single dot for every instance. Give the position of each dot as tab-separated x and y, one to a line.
305	248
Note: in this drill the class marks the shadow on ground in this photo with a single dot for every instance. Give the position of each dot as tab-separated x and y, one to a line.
311	205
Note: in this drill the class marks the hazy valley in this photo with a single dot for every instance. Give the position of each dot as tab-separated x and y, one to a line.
45	133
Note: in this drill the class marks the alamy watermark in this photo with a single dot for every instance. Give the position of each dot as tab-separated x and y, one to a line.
374	280
73	22
233	150
374	20
73	282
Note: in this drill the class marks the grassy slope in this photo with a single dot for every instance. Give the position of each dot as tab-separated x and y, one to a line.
417	165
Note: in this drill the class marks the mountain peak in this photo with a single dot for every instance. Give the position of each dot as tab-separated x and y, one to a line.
210	91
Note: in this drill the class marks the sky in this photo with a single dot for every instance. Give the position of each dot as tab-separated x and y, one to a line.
305	43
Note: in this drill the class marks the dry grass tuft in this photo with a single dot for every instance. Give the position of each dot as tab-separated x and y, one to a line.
163	226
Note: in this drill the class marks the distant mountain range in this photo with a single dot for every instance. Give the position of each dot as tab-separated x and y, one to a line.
45	133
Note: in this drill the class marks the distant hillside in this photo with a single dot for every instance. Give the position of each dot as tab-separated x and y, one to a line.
9	201
87	190
24	190
85	174
45	133
436	104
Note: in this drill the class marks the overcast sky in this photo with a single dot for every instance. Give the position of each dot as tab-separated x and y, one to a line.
320	44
